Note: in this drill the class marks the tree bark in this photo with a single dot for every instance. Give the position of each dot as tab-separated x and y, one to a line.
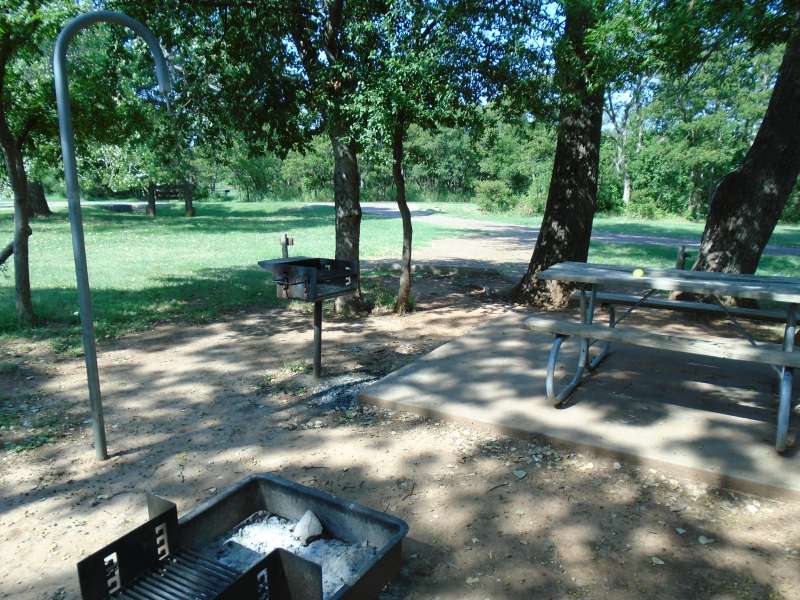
572	198
7	252
15	169
188	199
748	202
151	199
398	175
627	188
328	79
38	201
346	198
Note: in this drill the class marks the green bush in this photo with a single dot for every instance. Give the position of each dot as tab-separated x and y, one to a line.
493	195
643	206
532	203
791	213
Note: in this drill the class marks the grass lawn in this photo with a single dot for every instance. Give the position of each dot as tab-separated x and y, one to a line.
664	256
144	270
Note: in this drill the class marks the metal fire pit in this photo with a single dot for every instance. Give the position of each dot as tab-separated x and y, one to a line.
164	559
313	280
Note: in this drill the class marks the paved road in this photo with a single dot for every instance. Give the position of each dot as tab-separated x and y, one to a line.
483	228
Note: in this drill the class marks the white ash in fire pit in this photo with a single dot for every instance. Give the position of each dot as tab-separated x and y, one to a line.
261	533
340	392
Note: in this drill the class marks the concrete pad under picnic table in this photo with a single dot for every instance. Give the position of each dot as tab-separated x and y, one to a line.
702	416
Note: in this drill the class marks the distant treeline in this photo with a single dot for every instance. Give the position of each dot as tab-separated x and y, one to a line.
666	144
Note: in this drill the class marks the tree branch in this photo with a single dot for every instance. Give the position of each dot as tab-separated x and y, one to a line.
301	23
333	27
6	252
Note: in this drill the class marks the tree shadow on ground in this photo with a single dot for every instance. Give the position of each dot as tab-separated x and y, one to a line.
187	426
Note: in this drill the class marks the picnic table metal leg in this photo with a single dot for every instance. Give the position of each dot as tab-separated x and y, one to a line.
317	339
552	360
786	377
587	316
587	305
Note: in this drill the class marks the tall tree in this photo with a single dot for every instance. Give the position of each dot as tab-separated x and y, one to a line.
290	66
411	79
436	61
100	59
25	108
571	201
622	109
748	202
330	36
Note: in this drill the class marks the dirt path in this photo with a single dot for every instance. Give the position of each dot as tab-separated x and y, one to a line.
191	409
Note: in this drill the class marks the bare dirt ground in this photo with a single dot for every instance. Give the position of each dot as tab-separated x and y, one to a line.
191	409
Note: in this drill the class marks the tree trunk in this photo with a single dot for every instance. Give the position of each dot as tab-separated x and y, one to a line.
346	198
695	202
572	198
188	199
151	199
623	171
38	201
626	186
15	169
749	201
398	175
22	273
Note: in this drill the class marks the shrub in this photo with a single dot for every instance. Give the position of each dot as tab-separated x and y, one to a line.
643	206
493	195
532	203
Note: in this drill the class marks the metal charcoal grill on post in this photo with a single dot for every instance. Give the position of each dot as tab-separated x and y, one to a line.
312	280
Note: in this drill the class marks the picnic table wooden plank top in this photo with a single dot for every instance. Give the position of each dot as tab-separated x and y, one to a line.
755	287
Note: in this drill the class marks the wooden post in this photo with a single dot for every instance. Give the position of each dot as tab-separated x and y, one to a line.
680	263
286	241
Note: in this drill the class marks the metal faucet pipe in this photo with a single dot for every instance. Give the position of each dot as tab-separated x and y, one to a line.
60	69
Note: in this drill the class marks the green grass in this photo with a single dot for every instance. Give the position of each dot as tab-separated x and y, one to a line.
146	270
664	256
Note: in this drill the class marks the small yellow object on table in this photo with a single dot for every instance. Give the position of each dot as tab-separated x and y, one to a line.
638	272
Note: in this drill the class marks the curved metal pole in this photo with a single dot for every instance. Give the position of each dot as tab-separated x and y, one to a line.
73	191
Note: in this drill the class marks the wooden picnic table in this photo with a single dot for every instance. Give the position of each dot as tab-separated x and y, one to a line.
784	291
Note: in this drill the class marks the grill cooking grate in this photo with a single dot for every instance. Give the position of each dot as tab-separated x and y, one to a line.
186	575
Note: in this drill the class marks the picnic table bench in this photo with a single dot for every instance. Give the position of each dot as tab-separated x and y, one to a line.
783	290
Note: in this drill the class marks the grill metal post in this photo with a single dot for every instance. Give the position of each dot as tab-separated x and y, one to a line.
317	339
312	280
